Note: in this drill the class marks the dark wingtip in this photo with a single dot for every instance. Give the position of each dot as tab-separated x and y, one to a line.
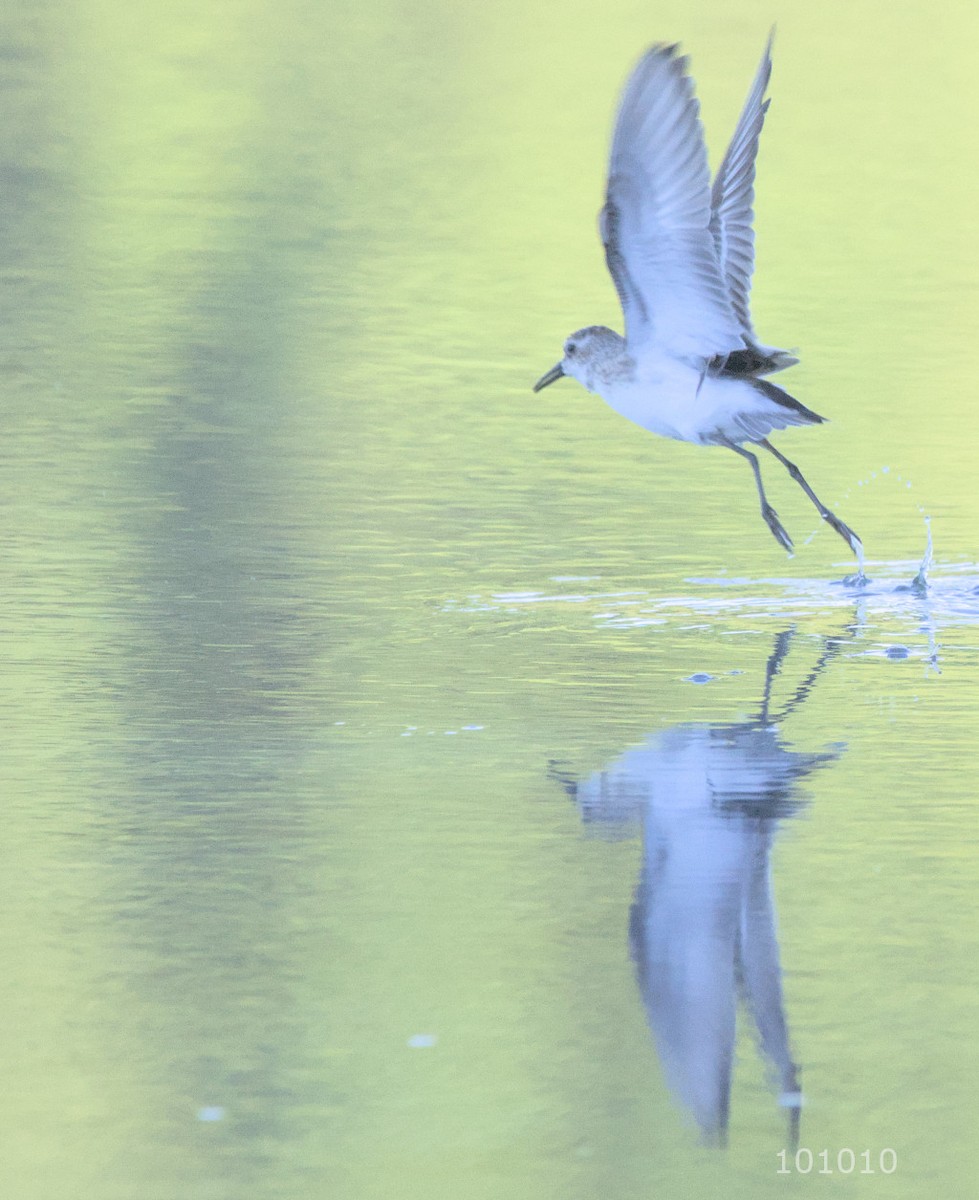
670	51
782	398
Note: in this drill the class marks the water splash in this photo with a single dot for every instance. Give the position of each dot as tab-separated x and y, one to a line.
920	581
947	600
859	578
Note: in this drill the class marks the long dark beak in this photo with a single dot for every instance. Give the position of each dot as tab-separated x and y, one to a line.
552	376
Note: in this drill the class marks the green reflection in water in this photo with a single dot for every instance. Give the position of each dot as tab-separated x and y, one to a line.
275	281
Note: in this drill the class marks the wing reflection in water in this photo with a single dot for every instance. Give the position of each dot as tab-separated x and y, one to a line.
709	798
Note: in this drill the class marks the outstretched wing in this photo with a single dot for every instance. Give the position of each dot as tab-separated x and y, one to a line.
656	221
733	196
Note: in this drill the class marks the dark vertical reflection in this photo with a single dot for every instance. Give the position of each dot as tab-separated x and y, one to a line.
219	673
703	928
215	859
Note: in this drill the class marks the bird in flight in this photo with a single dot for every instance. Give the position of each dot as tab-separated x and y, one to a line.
681	254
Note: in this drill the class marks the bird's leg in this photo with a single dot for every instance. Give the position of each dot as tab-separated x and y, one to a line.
769	513
831	519
775	660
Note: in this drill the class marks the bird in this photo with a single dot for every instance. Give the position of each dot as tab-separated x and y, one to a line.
680	250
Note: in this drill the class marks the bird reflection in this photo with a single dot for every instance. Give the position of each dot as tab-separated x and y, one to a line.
709	798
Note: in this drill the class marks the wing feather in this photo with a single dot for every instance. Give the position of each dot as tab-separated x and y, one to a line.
733	197
656	223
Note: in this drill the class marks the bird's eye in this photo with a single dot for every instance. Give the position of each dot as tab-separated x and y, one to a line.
571	349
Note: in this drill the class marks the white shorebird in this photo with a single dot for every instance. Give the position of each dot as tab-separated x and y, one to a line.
681	254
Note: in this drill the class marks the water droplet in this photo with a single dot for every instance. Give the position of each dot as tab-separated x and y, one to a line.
211	1112
699	677
422	1041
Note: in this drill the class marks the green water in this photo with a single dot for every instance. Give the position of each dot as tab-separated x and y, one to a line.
342	675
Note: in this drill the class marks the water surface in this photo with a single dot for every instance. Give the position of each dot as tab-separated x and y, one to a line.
406	775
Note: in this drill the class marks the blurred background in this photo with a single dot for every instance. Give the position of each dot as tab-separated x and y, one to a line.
404	774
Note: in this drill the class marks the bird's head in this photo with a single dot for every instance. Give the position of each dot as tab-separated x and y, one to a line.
590	355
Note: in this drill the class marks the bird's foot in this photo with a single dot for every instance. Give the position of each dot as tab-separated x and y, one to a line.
858	579
845	532
777	528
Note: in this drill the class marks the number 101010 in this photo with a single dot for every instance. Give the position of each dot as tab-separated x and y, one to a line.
844	1162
